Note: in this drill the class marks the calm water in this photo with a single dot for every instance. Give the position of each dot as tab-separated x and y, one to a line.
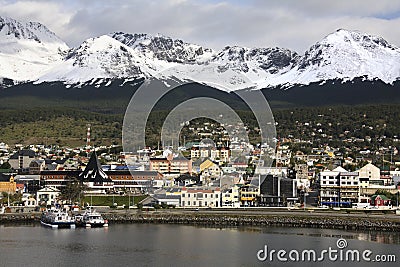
176	245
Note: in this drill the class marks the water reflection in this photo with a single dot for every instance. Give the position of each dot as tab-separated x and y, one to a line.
370	236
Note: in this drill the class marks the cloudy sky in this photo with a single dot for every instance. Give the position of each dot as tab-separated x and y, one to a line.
292	24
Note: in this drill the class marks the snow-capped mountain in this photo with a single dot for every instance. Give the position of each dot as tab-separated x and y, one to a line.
256	63
27	50
344	55
30	52
164	48
101	57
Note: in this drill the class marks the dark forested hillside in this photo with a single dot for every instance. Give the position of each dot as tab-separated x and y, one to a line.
53	112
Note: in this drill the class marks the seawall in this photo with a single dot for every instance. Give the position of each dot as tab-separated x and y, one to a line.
331	221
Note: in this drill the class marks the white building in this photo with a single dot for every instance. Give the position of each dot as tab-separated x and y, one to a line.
370	171
339	187
47	196
200	197
230	197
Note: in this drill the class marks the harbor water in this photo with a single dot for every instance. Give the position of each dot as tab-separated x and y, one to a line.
180	245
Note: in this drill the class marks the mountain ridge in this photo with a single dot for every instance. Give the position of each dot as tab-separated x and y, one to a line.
31	53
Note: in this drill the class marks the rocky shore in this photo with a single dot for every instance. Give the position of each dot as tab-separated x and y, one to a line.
330	221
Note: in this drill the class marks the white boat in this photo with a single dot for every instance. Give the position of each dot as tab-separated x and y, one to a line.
56	218
91	218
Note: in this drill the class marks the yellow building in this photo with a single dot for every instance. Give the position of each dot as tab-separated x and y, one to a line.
249	194
210	168
7	185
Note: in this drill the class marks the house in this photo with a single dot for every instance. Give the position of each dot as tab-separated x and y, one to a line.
370	171
29	200
200	197
210	170
228	170
36	166
186	179
47	196
380	201
22	159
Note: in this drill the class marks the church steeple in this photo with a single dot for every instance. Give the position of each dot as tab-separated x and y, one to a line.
93	171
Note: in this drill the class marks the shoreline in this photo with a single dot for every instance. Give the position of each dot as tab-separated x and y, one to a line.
234	219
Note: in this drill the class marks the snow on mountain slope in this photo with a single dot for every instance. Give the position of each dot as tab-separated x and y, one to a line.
30	52
232	68
101	57
256	63
27	50
164	48
344	55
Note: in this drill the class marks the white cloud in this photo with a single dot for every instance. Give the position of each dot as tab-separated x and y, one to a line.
293	24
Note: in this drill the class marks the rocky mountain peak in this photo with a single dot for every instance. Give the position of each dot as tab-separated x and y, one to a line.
163	47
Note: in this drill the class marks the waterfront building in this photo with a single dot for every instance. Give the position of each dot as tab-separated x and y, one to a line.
57	179
277	190
94	176
380	201
136	181
249	194
230	197
200	197
339	187
47	196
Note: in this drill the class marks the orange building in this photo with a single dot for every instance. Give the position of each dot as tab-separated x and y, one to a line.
7	184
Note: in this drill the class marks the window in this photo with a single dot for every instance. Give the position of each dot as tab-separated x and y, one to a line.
183	195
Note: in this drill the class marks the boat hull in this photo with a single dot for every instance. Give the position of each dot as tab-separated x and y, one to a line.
58	225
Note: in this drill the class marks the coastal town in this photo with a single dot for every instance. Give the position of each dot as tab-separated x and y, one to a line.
199	175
